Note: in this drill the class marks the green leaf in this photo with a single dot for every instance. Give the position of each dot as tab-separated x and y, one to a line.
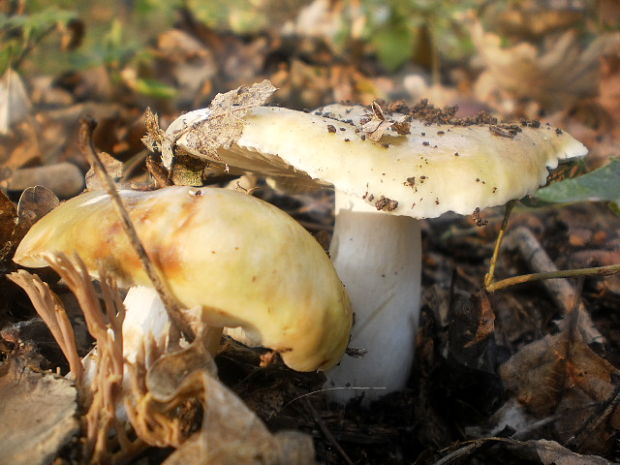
602	184
394	44
153	88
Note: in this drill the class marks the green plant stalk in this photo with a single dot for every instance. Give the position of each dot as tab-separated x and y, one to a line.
490	285
525	278
489	278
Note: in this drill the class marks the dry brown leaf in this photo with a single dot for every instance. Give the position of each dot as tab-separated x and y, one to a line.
230	432
377	125
188	62
221	126
34	203
555	75
556	375
11	231
533	19
542	372
609	88
552	453
486	322
38	413
225	123
113	167
154	137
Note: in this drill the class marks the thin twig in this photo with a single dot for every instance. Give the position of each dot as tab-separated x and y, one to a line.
327	433
562	292
577	272
468	447
329	389
489	278
491	285
174	313
592	423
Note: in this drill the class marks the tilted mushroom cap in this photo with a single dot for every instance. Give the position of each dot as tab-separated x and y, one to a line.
435	168
241	260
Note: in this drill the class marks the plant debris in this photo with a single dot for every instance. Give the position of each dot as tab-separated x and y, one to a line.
526	374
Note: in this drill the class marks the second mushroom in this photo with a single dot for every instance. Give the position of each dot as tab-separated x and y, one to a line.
229	259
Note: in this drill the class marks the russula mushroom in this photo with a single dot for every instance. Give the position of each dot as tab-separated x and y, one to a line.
241	261
388	171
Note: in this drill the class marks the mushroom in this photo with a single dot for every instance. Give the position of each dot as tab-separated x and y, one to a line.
238	260
388	171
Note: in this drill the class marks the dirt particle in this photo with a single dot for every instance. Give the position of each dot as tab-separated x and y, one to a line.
505	130
426	143
410	182
558	131
368	197
331	128
456	154
402	128
386	204
477	220
347	139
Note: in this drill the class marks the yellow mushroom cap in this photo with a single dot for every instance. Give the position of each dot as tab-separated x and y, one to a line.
434	168
243	261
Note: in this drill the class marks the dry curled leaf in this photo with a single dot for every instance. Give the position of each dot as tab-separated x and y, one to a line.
34	203
230	432
223	122
113	167
377	126
543	371
559	375
10	232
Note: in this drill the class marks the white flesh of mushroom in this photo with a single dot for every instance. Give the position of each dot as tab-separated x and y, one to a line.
384	288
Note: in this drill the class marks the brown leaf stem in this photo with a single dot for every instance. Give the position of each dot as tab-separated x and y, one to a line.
160	285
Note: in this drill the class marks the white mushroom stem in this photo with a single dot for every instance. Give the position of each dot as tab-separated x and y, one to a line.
378	258
147	322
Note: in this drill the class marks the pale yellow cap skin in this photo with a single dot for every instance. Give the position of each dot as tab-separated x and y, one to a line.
243	261
435	169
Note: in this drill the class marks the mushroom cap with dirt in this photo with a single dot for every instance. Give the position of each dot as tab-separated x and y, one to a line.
388	171
230	259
